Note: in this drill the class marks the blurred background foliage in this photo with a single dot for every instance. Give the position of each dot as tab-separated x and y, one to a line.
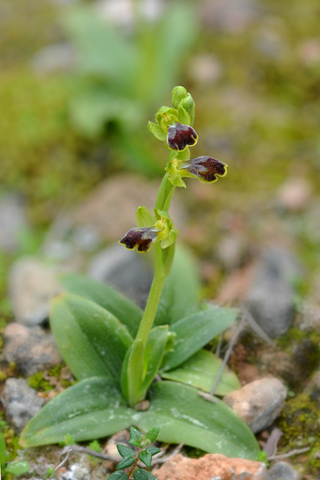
76	113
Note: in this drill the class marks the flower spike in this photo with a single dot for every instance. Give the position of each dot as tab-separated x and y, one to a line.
181	136
206	169
142	238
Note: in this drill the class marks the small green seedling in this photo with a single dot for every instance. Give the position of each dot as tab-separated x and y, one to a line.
12	468
127	469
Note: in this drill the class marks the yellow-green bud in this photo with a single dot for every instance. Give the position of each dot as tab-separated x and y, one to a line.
178	94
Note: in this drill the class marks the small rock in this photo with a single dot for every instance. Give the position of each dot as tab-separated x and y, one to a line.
313	388
294	194
31	285
205	69
283	471
21	402
270	299
60	57
122	438
76	472
232	16
30	348
13	222
211	467
110	210
125	270
258	403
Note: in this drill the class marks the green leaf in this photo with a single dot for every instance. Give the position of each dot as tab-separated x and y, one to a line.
92	341
144	218
145	457
152	434
183	115
118	476
92	408
140	474
125	451
150	476
126	462
132	371
17	468
155	349
126	311
180	292
135	437
3	455
194	332
157	131
154	450
186	417
200	371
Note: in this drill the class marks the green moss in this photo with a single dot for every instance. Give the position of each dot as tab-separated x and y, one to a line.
300	424
37	382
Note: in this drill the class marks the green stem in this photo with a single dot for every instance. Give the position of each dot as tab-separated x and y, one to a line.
153	298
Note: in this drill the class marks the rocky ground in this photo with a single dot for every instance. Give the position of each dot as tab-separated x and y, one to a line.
255	233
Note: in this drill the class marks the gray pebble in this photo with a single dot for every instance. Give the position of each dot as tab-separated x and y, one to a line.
21	402
283	471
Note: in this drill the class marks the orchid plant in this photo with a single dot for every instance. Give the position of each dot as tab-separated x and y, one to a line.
146	368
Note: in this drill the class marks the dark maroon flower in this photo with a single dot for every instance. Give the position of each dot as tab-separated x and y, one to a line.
180	136
142	238
207	169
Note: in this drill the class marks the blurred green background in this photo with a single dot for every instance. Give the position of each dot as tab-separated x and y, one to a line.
80	79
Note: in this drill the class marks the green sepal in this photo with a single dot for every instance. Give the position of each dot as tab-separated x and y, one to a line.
157	131
144	217
171	238
184	155
126	462
178	94
189	105
145	457
183	115
118	476
125	451
166	116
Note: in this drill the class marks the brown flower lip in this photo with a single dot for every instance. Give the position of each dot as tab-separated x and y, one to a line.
180	136
207	169
142	238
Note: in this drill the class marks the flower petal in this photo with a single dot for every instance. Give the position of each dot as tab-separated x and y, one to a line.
207	169
181	136
142	238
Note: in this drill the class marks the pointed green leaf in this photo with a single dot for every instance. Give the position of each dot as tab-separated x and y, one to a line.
140	475
152	434
126	311
180	293
144	218
183	116
194	332
132	371
91	409
145	457
125	451
155	349
186	417
92	341
126	462
118	476
150	476
200	371
154	450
